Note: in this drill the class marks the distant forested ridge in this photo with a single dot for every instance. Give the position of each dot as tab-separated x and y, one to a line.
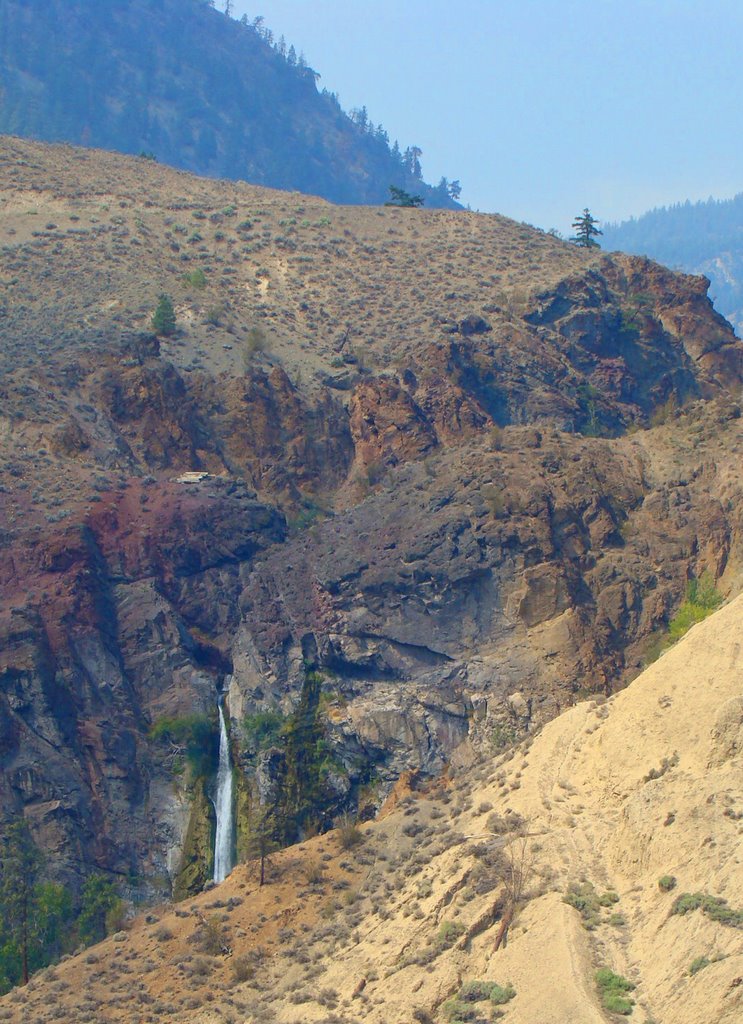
191	86
700	238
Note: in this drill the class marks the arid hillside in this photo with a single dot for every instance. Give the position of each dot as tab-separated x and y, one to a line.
429	475
606	849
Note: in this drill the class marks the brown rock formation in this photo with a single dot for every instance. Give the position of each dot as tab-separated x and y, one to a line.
482	526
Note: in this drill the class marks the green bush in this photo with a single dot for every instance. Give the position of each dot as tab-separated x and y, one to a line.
613	989
714	907
608	899
702	598
263	730
196	278
449	932
39	917
461	1008
666	883
193	735
584	898
499	996
698	964
101	910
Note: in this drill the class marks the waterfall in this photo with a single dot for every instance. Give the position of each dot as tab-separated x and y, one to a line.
223	806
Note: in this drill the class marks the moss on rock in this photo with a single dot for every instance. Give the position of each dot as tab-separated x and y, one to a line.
197	862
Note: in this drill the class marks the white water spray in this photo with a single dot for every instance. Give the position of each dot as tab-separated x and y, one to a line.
223	806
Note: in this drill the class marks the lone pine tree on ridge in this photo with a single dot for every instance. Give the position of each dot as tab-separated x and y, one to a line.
586	230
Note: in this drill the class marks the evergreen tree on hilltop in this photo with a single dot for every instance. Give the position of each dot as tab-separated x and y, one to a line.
399	197
586	230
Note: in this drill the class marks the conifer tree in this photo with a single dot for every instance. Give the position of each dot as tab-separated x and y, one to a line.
163	319
262	840
399	197
20	862
101	909
586	230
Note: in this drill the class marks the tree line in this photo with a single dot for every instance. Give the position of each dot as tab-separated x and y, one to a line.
408	160
40	920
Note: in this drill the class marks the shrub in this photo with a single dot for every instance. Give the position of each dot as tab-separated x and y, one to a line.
666	883
214	314
715	907
349	833
461	1008
209	936
665	766
608	899
196	278
584	899
698	964
256	341
242	969
313	872
613	989
449	932
192	735
263	729
702	598
101	911
665	412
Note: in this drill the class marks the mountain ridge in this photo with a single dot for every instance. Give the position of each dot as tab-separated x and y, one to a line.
195	88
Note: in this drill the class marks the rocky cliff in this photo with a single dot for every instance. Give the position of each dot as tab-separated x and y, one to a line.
605	848
456	468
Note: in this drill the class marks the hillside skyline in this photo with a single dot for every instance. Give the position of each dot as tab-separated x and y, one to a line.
493	93
180	82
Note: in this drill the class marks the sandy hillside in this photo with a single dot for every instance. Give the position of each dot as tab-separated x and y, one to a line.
609	798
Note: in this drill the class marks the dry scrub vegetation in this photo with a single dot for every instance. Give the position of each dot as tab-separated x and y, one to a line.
323	283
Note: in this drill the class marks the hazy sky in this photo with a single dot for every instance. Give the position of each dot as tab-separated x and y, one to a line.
541	107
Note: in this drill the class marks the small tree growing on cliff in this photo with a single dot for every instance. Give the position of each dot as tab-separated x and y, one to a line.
586	230
163	319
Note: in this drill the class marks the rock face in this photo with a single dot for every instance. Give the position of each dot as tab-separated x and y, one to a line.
545	573
463	500
105	629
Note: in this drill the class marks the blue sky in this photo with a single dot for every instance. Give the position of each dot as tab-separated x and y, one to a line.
541	108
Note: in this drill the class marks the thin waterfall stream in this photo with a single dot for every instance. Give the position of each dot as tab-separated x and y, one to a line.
223	806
